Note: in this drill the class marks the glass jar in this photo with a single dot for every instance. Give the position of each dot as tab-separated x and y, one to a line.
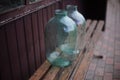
60	39
75	15
79	19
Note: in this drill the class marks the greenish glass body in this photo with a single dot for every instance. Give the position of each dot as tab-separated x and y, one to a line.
60	39
79	19
74	14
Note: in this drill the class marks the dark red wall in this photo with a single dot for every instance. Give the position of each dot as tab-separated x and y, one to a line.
22	48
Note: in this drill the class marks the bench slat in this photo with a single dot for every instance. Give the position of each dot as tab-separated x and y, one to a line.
77	70
87	38
65	75
79	37
84	64
98	31
90	31
88	22
68	71
40	71
79	75
51	74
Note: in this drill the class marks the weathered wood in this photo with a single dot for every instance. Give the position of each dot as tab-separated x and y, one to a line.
36	40
84	64
90	30
88	22
77	70
52	73
86	43
79	75
22	49
97	32
22	10
29	44
68	71
13	52
80	37
41	35
40	71
5	67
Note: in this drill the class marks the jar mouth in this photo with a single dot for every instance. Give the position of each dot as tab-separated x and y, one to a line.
60	12
71	7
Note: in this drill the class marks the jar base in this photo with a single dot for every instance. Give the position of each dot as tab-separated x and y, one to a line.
60	62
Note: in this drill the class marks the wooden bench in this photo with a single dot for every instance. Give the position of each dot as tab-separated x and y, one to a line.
78	69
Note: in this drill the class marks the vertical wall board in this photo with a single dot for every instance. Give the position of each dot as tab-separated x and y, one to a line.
41	33
45	16
5	67
49	12
13	51
29	43
57	5
22	48
36	39
52	10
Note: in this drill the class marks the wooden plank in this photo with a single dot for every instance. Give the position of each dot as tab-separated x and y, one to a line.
5	67
68	71
13	51
52	10
45	16
57	5
49	12
97	32
36	39
41	35
52	73
40	72
29	44
83	66
88	22
89	32
81	36
22	48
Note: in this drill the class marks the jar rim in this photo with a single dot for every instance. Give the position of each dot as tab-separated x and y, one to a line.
60	12
71	7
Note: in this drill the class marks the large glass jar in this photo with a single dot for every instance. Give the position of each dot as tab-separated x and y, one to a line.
60	39
75	15
79	19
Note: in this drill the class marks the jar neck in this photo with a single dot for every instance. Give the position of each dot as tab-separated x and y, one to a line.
71	8
60	13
